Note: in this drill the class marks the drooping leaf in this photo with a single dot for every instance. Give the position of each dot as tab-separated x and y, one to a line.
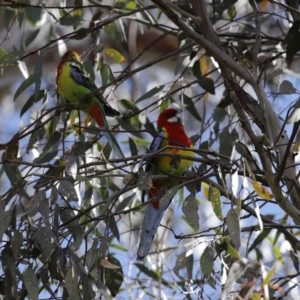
32	206
133	147
5	218
231	250
261	191
286	87
43	237
33	14
71	282
31	283
236	270
144	181
292	38
190	210
274	74
147	271
259	239
114	227
184	261
190	106
207	84
67	190
150	93
74	21
25	84
233	225
112	30
207	261
68	218
34	98
106	74
11	58
168	196
295	114
31	37
115	55
196	69
214	197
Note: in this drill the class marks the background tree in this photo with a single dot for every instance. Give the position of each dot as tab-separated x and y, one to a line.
71	212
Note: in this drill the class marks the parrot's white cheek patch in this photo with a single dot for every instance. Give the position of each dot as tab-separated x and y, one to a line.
174	120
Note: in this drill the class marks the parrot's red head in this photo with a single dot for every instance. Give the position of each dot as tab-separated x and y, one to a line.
168	117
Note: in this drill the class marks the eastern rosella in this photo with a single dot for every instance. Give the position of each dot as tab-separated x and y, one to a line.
171	134
75	85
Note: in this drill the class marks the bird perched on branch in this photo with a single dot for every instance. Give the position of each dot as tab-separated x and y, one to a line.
171	135
76	86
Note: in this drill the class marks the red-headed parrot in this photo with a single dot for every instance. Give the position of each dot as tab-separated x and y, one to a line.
171	134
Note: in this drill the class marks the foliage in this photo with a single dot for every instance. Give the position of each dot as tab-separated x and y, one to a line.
70	211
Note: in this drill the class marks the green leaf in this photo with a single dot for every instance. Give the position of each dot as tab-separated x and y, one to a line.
106	74
131	5
190	210
230	249
31	37
190	106
31	284
80	33
67	190
53	142
150	93
32	206
45	157
74	21
25	84
33	14
214	197
3	53
114	277
184	261
72	223
168	195
292	40
226	143
71	282
37	135
287	88
207	261
112	30
233	224
114	227
207	84
146	271
11	58
259	238
43	237
38	72
273	74
34	98
196	69
5	218
144	181
133	147
295	114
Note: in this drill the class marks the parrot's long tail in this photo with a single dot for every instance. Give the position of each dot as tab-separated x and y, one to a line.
151	222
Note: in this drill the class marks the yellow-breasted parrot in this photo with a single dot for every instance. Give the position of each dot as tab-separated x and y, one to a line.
171	134
75	85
